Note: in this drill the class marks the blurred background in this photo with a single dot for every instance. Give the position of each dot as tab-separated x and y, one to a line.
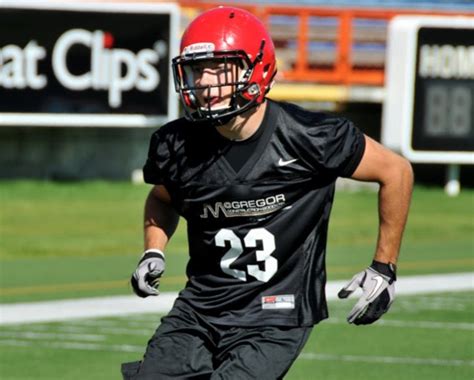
83	85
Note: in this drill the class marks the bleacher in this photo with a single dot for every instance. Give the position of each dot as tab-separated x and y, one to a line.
461	5
338	46
368	48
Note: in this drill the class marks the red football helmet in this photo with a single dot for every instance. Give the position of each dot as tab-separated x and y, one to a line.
225	35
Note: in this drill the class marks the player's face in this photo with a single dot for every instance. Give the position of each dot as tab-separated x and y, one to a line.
212	79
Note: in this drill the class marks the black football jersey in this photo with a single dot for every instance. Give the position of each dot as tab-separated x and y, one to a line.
257	237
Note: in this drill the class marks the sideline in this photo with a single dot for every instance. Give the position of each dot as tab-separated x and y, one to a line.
61	310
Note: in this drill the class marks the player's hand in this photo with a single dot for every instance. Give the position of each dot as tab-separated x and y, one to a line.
146	278
378	287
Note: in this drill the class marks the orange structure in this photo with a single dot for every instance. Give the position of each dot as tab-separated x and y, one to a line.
335	46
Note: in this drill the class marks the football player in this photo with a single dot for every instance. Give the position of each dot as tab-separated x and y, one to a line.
254	179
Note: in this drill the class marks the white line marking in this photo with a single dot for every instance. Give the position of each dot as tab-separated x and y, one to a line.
100	323
142	329
75	346
41	335
412	324
424	284
74	329
303	356
386	359
50	311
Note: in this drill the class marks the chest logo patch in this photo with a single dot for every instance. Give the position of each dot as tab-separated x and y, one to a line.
249	207
282	162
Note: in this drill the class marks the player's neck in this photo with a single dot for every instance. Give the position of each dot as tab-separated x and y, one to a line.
245	125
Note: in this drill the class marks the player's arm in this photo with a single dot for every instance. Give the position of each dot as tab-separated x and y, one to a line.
160	218
160	221
395	177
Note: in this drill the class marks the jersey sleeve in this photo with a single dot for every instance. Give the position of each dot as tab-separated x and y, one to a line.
338	146
155	168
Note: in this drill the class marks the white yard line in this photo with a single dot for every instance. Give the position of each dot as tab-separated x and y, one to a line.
48	335
50	311
386	359
304	356
413	324
129	321
73	328
74	345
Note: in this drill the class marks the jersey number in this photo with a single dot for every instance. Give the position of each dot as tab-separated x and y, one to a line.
250	241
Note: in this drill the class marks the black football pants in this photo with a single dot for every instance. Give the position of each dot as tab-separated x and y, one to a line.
185	346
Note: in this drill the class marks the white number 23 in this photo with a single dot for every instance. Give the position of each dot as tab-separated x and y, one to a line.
250	241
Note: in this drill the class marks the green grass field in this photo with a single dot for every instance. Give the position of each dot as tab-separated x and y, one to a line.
423	337
69	240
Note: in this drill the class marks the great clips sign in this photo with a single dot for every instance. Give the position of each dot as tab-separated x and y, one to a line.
87	64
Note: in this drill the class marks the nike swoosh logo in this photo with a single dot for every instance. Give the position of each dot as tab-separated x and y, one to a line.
379	283
284	163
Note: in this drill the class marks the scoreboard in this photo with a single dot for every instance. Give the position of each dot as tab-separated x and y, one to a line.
428	110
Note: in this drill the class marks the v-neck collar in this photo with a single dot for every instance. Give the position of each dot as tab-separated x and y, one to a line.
268	123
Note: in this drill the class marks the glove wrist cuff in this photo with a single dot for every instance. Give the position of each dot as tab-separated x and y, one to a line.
150	253
389	270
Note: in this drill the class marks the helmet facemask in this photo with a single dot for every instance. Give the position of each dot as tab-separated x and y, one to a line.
237	68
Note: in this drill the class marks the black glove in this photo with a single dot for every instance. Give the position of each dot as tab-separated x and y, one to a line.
146	278
378	286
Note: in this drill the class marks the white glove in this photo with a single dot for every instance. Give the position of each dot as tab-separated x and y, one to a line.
146	278
378	287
